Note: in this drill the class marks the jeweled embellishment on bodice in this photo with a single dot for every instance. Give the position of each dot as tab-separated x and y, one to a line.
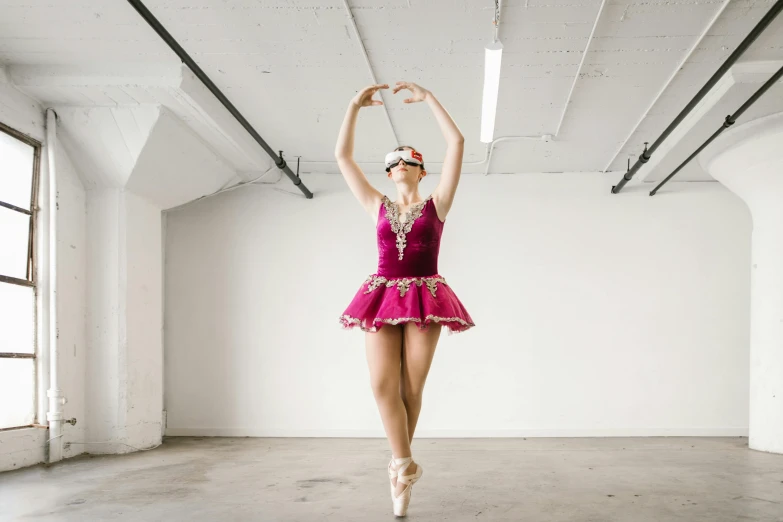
402	229
404	284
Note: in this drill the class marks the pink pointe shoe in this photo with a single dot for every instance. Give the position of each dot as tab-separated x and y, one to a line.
401	502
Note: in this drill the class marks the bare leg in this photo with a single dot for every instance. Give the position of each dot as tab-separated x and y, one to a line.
399	358
384	353
418	351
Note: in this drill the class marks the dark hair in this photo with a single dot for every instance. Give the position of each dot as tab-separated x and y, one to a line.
403	147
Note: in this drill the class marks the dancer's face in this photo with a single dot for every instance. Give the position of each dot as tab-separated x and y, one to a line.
402	171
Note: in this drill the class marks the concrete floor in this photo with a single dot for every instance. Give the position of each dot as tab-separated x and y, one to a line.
221	479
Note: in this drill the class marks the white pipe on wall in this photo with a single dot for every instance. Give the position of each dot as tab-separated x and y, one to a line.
56	398
579	69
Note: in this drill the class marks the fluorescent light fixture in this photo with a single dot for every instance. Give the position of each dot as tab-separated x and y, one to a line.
492	55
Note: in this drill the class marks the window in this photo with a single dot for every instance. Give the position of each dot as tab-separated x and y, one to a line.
19	172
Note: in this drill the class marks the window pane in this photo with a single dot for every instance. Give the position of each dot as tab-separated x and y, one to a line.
14	240
17	392
16	171
17	327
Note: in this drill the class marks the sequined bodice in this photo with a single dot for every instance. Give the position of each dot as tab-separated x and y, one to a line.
410	248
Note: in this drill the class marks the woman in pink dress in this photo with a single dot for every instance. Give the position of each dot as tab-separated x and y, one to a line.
403	306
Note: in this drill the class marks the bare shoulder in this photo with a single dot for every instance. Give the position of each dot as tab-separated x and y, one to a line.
367	195
441	207
373	204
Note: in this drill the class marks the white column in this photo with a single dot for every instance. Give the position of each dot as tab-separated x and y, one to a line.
748	160
124	389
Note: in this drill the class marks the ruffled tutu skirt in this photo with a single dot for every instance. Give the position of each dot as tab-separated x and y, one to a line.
421	300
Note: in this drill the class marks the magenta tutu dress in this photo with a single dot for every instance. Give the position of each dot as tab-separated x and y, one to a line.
407	286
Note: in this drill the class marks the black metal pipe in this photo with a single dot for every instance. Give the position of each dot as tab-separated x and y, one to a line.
730	120
647	154
187	60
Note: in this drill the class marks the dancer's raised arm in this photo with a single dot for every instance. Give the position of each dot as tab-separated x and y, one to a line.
369	197
443	195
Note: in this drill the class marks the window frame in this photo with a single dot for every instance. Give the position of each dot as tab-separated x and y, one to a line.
31	279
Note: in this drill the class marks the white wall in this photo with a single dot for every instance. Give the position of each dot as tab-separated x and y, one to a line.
109	307
748	160
25	447
110	258
597	314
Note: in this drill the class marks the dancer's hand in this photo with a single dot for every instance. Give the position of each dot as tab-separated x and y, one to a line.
364	97
419	93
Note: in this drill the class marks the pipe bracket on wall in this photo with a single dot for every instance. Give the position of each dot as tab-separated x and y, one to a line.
187	60
281	164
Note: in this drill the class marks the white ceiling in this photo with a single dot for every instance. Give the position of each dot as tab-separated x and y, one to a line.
291	66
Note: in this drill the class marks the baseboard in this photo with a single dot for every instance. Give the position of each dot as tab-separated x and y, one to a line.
466	434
